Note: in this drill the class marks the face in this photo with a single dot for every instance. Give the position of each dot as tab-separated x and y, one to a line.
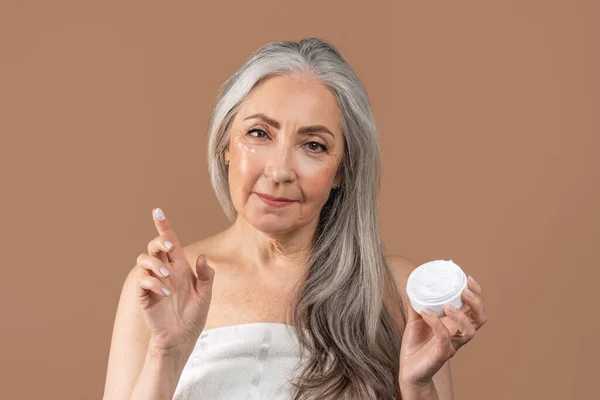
286	141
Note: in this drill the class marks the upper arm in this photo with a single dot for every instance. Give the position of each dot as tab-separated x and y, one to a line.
401	268
129	342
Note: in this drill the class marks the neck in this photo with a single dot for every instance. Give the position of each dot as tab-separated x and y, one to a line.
270	252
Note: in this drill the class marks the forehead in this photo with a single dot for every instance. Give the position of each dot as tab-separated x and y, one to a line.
294	99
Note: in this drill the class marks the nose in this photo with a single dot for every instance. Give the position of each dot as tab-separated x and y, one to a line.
280	163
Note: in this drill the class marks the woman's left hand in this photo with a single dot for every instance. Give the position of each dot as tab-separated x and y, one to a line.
429	341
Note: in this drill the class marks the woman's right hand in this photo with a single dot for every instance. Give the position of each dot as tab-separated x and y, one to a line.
175	306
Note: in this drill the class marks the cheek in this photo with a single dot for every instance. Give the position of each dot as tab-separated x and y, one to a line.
249	163
315	175
317	178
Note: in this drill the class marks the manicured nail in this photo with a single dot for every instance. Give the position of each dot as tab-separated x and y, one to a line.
469	292
451	308
168	244
166	291
158	214
473	280
427	311
164	271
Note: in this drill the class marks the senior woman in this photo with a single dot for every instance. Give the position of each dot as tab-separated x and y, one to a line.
297	298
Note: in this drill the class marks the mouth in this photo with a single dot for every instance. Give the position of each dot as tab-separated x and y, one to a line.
275	201
273	198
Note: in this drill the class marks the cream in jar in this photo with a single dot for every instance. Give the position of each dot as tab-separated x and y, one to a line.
434	284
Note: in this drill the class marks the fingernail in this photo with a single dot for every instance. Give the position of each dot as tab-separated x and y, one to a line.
158	214
469	292
451	308
427	311
473	280
164	271
169	245
166	291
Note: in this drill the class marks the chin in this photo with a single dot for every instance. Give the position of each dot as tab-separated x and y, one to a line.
271	224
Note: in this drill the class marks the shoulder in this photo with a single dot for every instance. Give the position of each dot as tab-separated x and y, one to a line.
213	247
401	264
401	267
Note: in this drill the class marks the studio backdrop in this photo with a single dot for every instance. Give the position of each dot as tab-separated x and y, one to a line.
487	114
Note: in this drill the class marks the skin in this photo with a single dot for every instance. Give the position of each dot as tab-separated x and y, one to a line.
260	257
283	163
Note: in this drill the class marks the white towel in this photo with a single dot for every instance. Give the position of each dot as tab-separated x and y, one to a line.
251	361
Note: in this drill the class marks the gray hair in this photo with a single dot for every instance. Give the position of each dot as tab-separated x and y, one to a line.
350	335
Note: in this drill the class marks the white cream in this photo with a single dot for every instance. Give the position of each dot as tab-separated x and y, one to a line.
436	279
435	284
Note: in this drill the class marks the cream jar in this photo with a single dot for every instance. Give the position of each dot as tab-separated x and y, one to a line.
434	284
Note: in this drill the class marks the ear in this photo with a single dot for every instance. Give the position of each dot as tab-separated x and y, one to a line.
226	153
338	179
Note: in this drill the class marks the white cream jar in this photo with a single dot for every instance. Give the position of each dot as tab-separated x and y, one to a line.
435	284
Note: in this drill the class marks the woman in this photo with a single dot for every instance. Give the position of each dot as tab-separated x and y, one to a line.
294	160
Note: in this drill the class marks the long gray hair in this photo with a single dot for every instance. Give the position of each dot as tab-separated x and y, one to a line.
349	334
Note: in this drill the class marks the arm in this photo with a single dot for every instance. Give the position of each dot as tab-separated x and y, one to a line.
442	381
129	343
439	389
160	374
135	370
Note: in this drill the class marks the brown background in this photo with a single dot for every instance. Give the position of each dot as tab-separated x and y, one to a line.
488	120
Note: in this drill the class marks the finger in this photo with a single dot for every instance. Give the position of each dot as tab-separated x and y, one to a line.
451	325
466	330
164	228
160	244
477	316
153	264
151	284
466	309
159	247
474	286
204	272
439	329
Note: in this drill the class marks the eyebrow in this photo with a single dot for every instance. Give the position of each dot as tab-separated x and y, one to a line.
304	129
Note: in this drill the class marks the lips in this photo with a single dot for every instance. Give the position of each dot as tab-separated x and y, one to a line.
273	198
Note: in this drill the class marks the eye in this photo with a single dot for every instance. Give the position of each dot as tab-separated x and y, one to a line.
256	130
315	146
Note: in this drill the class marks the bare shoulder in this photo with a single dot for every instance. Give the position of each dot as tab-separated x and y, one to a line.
212	247
401	268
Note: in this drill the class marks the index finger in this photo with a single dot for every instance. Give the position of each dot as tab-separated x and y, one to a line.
164	228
